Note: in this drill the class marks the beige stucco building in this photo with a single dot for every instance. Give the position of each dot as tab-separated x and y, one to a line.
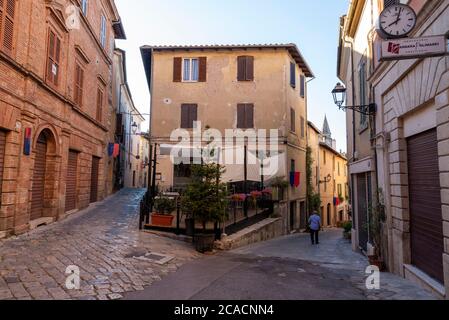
329	176
407	142
231	88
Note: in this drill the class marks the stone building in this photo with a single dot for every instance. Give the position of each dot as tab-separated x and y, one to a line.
236	88
55	75
401	160
329	175
128	121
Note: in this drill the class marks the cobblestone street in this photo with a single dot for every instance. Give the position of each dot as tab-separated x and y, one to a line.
103	241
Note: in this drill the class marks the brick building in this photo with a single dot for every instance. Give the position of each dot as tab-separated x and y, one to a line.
55	70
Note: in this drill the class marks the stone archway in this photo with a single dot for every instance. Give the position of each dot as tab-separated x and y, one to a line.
44	178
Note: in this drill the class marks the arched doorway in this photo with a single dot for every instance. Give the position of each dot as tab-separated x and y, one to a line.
38	188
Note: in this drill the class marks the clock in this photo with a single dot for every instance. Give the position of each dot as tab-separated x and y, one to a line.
397	21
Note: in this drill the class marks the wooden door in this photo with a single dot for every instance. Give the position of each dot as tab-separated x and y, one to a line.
70	197
362	210
2	160
38	188
426	220
94	179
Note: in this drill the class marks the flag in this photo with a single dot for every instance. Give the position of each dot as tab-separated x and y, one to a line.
297	179
110	149
27	142
116	150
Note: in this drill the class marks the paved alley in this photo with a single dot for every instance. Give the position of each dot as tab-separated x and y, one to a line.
103	241
288	268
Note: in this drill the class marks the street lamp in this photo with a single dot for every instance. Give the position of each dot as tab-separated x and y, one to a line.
339	94
134	127
327	179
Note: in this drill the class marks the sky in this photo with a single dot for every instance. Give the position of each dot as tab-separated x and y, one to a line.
312	25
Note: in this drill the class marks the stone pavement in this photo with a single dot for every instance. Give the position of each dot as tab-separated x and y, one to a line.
287	268
103	241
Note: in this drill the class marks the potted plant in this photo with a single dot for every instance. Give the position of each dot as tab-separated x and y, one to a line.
347	230
205	198
377	216
279	185
163	216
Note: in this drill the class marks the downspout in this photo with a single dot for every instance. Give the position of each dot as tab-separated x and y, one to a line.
307	140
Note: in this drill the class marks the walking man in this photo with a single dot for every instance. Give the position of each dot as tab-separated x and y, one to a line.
315	226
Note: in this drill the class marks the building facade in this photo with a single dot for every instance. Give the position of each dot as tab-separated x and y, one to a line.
55	71
231	88
329	176
408	138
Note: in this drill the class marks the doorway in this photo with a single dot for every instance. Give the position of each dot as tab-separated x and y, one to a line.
38	187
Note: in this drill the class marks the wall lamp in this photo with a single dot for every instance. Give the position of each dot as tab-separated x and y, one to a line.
339	94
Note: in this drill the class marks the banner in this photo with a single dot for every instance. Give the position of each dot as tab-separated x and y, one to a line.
412	48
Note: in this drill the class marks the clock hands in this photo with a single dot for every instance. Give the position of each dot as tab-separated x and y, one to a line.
398	18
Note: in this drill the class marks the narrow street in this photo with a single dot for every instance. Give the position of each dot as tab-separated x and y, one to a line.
103	241
288	268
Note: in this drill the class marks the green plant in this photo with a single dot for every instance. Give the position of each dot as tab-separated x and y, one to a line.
347	226
376	218
279	182
164	205
206	197
314	202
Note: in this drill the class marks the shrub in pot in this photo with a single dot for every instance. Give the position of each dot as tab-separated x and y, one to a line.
206	199
164	207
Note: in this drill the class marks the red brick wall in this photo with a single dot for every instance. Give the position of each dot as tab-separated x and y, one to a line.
27	101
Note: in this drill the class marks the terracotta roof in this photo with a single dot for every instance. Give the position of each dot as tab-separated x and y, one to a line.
291	47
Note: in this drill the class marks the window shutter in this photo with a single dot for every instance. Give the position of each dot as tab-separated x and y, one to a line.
303	127
1	20
177	69
193	114
7	27
51	51
99	104
249	116
302	90
292	120
241	66
250	68
57	59
241	116
79	79
203	69
292	74
185	113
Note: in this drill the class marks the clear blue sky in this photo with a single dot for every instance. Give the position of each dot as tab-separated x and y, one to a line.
312	25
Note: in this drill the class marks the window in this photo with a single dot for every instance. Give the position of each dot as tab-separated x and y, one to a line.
293	74
338	164
292	120
324	156
245	116
7	15
100	95
189	114
79	84
103	31
245	68
302	88
292	165
190	70
339	190
54	56
84	7
303	127
362	91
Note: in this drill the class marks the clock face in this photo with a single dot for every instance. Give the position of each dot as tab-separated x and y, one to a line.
397	20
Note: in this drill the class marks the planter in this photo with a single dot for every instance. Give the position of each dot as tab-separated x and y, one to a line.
375	261
190	227
204	242
347	235
162	220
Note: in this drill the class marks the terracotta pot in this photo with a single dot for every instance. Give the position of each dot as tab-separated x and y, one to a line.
161	220
375	261
204	242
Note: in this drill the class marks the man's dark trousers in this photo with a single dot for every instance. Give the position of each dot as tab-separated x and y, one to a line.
314	236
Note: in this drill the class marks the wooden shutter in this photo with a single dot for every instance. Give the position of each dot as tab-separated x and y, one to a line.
7	24
37	193
54	57
292	120
302	89
426	223
202	69
185	116
99	104
79	82
241	116
118	124
94	179
241	68
303	127
2	158
249	116
293	74
193	114
70	197
245	68
177	69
